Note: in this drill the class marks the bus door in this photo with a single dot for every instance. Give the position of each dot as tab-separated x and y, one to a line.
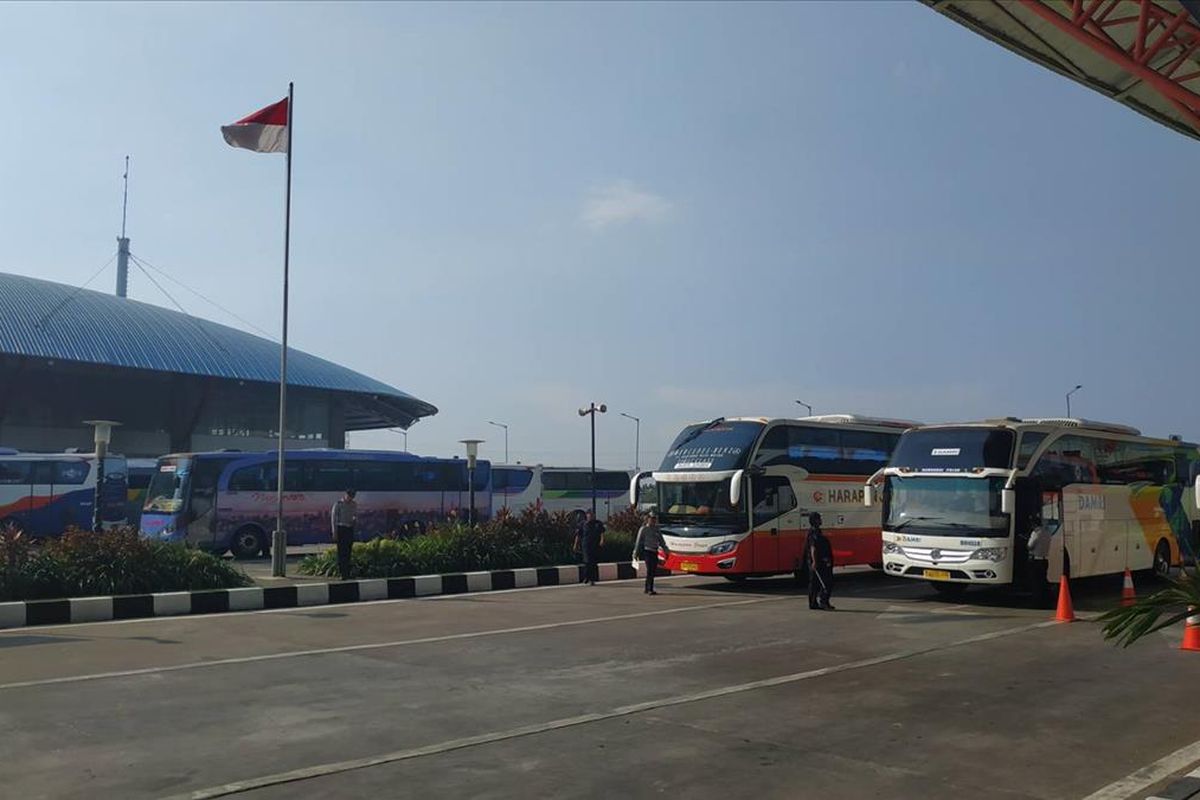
1052	520
775	517
46	517
202	483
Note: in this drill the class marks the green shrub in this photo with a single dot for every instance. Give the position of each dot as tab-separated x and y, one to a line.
529	538
627	520
83	564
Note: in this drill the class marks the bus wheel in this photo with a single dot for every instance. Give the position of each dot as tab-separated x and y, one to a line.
876	565
950	591
734	578
247	542
1162	560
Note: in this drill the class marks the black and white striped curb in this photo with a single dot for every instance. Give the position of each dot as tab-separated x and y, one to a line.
254	598
1185	788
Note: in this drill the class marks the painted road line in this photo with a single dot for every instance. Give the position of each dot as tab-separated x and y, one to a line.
354	648
333	768
1138	781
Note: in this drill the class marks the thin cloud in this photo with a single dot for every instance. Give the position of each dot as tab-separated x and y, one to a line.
620	203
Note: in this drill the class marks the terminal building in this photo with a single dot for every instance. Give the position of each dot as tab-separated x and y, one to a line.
176	383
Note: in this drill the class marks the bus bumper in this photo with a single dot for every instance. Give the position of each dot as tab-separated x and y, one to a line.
976	572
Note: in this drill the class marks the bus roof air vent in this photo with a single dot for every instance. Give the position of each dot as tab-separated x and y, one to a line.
1068	422
855	419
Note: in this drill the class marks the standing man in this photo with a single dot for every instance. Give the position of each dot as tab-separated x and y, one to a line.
343	518
589	538
1040	538
820	565
645	548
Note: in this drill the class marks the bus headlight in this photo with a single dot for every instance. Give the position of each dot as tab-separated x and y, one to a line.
892	549
722	547
996	554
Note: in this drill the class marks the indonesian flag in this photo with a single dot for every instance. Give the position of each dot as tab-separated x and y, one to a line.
264	131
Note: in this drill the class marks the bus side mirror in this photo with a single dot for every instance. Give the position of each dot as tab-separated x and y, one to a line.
868	495
633	488
1197	491
1008	501
735	488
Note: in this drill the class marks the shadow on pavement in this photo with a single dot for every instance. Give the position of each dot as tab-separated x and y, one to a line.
29	641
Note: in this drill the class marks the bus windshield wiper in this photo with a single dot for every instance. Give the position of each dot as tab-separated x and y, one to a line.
913	519
699	431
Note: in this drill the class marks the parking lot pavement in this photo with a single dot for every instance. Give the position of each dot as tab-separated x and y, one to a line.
707	690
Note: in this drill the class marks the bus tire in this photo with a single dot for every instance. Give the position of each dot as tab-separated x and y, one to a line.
247	542
876	565
1162	560
734	578
949	591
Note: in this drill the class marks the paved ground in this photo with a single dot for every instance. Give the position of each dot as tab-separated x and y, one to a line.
707	690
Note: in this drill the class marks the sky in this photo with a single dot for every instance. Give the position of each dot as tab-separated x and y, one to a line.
682	211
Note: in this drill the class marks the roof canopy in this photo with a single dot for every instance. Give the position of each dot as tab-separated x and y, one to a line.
40	319
1144	54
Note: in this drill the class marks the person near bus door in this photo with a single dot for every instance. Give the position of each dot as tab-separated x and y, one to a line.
589	538
1040	537
645	548
343	517
820	565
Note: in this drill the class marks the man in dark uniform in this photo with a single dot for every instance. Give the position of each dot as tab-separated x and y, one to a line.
589	538
820	565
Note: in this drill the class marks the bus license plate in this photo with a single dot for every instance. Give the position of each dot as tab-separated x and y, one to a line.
689	566
937	575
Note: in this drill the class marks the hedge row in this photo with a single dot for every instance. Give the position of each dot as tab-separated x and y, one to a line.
529	539
86	564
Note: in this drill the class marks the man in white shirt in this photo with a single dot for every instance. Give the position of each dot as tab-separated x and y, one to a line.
342	520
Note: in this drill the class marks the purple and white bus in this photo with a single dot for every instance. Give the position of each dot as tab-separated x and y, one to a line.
227	500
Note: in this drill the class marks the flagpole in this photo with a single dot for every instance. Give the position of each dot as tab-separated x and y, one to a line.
279	537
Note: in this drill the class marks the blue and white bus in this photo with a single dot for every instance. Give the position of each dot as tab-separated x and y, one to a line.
227	500
43	494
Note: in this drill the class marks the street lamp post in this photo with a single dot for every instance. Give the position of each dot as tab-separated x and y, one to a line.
637	440
1073	391
502	425
472	456
103	436
592	410
806	405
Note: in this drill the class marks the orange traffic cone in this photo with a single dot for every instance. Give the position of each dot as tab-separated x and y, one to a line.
1191	632
1066	611
1128	595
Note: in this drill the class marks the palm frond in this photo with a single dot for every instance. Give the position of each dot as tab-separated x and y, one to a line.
1153	612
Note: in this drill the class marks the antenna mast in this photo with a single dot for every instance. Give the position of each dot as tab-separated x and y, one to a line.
123	242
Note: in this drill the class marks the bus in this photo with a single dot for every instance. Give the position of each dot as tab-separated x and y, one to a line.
227	500
959	501
515	486
43	494
733	495
138	474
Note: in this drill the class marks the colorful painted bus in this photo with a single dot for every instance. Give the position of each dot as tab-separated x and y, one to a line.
733	495
139	471
227	500
516	486
960	501
43	494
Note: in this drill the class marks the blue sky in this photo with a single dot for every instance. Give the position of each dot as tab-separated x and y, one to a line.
683	211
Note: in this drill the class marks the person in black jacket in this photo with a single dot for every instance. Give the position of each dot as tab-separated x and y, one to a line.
589	538
820	565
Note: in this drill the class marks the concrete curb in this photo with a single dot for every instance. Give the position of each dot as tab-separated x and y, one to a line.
254	598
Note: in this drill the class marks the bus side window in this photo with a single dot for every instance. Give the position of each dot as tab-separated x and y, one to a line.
42	473
14	473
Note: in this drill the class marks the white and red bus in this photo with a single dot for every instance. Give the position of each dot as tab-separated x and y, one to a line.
733	495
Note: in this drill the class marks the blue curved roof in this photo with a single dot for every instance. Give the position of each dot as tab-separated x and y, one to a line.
40	319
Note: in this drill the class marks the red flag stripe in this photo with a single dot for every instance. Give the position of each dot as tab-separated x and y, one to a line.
275	114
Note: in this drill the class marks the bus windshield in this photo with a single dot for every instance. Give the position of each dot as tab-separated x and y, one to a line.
166	491
716	445
954	449
945	506
698	503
